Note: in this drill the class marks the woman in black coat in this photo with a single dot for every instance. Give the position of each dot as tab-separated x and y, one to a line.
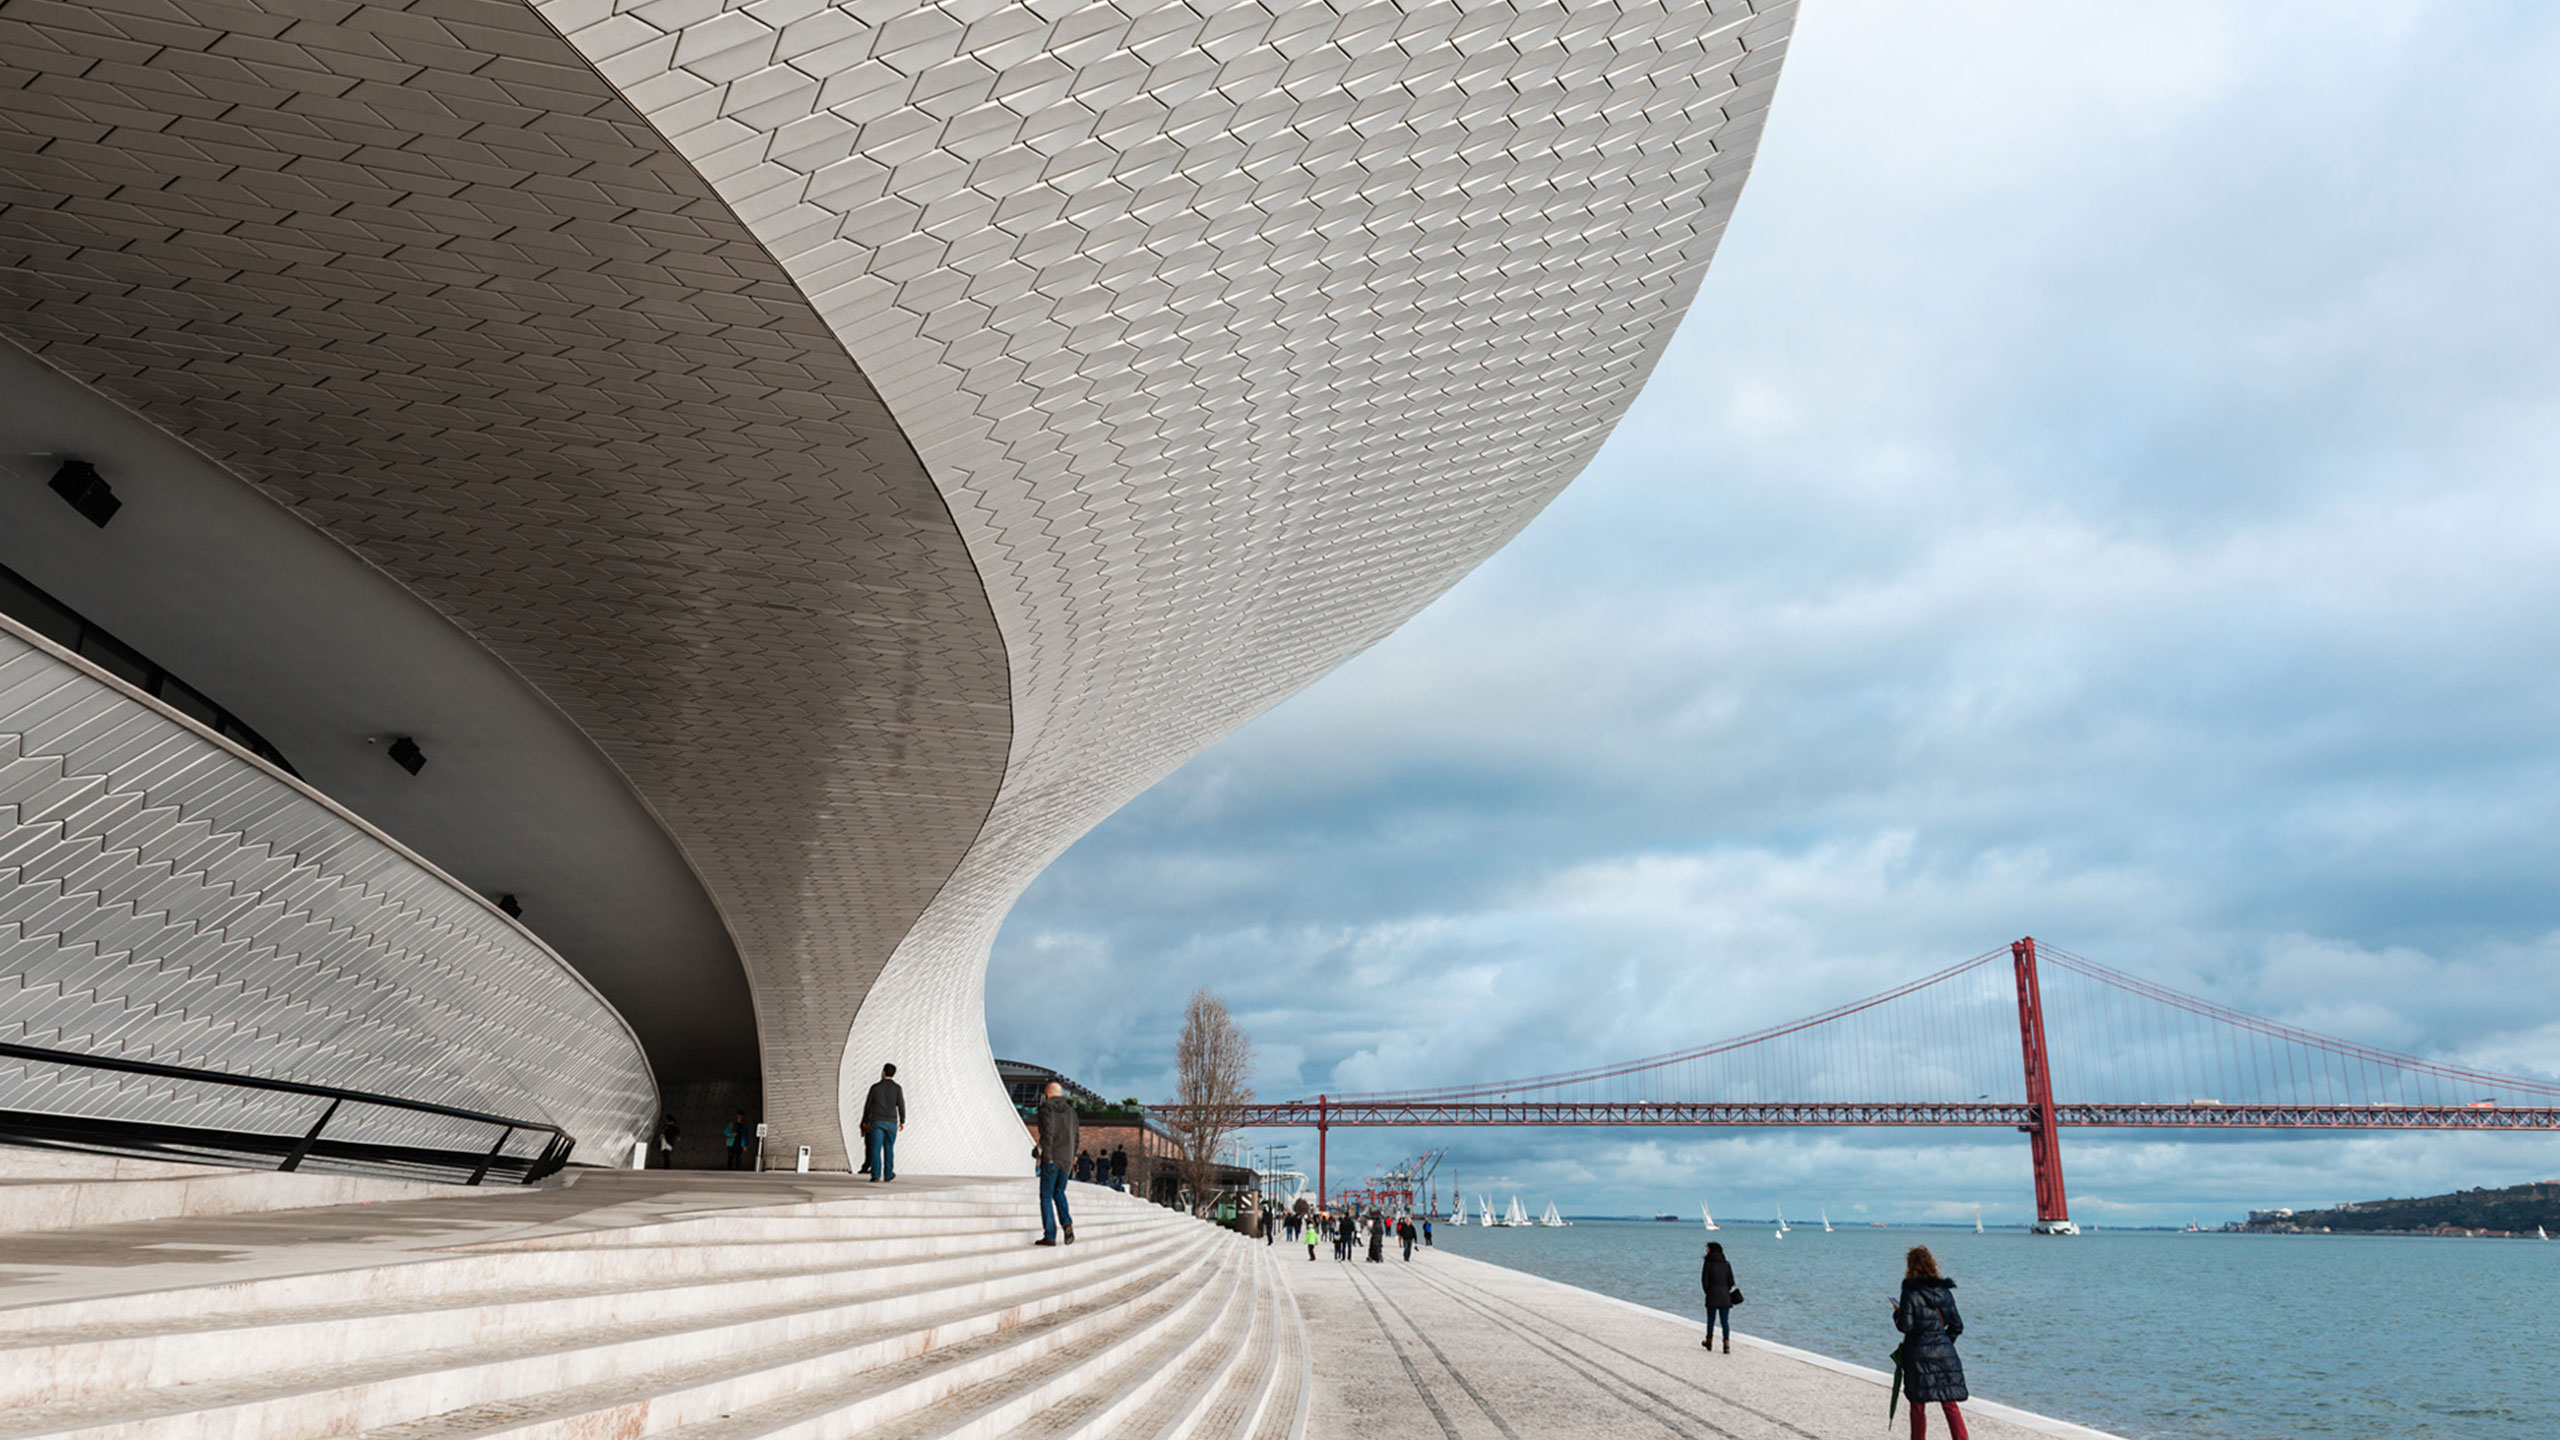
1716	1277
1926	1316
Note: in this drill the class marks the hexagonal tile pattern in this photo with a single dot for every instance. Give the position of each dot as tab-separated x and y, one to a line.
420	273
1234	331
165	897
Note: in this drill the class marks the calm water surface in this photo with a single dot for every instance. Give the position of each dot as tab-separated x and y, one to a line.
2152	1336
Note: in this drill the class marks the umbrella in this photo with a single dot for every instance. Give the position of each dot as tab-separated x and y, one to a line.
1896	1398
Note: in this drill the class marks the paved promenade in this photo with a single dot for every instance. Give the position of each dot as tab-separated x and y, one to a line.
1447	1348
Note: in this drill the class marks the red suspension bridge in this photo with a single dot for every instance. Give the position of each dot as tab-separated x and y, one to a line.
1985	1044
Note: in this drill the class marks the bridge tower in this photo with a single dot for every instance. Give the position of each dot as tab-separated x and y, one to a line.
2044	1134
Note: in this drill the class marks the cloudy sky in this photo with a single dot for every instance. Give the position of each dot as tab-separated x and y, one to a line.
2103	490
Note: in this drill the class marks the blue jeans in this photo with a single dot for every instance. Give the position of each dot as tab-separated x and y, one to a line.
1723	1313
884	1149
1053	1201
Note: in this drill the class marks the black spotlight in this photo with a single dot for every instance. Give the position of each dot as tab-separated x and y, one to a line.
406	754
78	481
508	903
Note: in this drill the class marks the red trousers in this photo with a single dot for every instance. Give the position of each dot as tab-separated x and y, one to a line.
1920	1420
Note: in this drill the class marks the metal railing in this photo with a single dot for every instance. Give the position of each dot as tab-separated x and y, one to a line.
64	1131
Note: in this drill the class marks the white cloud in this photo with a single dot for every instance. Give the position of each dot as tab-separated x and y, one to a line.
2102	490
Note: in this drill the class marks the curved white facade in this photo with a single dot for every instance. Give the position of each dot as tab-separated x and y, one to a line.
1105	373
166	898
1233	334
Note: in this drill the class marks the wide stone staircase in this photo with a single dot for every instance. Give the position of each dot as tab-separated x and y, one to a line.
891	1314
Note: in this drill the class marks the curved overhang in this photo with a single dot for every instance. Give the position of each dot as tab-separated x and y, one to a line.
1218	341
329	660
422	276
1235	333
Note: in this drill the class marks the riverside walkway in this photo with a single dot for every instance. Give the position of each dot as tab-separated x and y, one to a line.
1448	1348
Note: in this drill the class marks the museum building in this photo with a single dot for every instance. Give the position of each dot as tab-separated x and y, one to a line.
565	561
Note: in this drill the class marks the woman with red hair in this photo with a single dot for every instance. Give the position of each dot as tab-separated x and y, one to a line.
1926	1316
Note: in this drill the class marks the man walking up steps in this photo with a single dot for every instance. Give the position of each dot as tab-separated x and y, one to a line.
1058	1137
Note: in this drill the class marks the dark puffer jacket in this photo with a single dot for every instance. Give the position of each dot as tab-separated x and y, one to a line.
1716	1278
1926	1316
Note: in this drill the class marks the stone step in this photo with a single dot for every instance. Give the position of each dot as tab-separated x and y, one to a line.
163	1351
833	1389
1287	1399
483	1272
616	1360
1165	1394
985	1388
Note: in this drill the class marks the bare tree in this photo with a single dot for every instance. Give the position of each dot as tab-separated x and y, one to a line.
1210	1065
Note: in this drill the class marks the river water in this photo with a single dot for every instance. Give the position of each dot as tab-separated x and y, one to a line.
2150	1335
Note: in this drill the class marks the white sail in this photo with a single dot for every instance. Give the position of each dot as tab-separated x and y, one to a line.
1977	1219
1783	1226
1826	1222
1551	1219
1516	1215
1487	1202
1709	1216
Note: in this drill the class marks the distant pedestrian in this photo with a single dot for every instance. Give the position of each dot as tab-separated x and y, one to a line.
1426	1230
1057	1144
668	1131
1270	1227
884	1114
1377	1238
1084	1168
1716	1277
1119	1167
1406	1233
1313	1233
1926	1316
736	1135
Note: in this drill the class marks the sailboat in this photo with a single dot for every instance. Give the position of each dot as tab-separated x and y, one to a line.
1977	1219
1710	1216
1487	1202
1826	1222
1551	1220
2541	1234
1783	1226
1515	1215
1457	1209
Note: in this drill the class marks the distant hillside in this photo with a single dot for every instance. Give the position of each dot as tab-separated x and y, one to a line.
2516	1209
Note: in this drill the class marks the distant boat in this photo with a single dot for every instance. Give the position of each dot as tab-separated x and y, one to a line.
1674	1219
1515	1215
1551	1220
1783	1226
1457	1209
1826	1222
1486	1201
1709	1214
2541	1234
1977	1219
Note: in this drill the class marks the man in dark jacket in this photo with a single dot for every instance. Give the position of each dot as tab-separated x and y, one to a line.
884	1114
1057	1151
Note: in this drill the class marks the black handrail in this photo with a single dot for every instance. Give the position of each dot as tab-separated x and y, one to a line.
85	1132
